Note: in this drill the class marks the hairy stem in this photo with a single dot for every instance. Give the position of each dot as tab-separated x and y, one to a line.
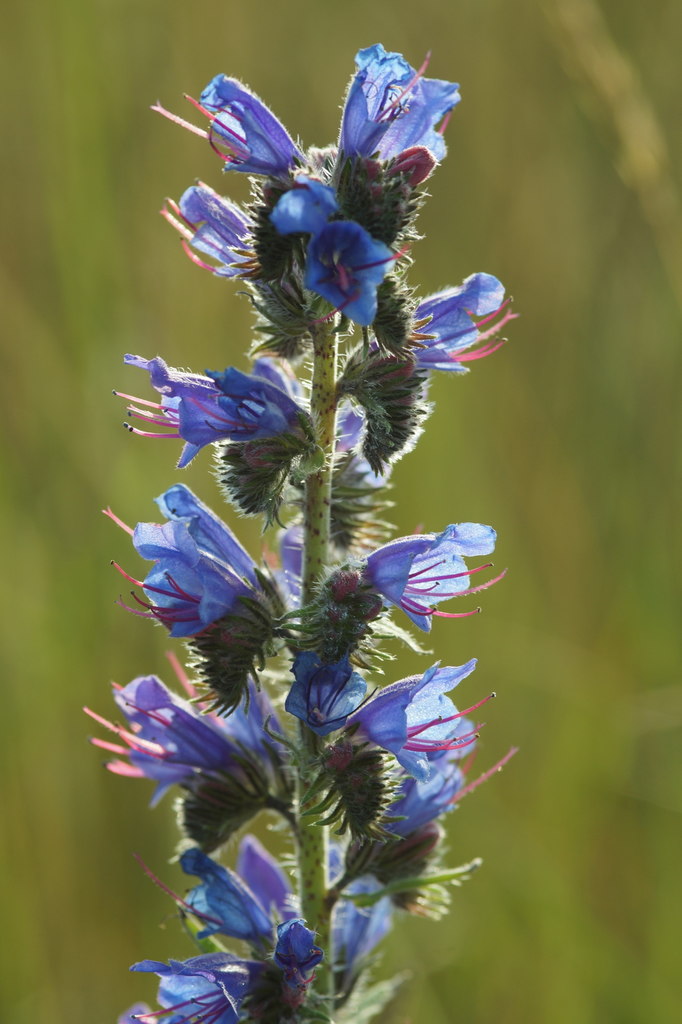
313	839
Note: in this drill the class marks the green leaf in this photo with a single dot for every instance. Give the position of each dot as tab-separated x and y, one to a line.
367	1003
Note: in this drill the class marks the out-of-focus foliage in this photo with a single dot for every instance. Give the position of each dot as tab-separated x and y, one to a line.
560	180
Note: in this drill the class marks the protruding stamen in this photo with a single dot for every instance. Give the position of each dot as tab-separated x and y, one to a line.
485	776
157	108
119	522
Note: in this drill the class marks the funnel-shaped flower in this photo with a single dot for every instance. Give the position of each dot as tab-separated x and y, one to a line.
245	132
200	570
296	953
418	572
205	988
414	720
345	265
390	107
223	406
451	329
175	742
226	904
323	696
305	208
212	224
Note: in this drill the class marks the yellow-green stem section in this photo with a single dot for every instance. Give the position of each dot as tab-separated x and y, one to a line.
313	839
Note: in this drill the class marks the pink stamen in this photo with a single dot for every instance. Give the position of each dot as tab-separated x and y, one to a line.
389	259
113	748
490	316
150	433
177	224
448	576
180	673
410	85
455	615
174	896
158	420
119	522
479	353
124	574
140	401
456	743
157	108
196	259
485	776
123	768
442	721
444	123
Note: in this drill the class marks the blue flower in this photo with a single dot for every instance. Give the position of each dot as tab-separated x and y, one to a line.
357	930
210	987
345	265
245	132
323	696
420	802
414	720
200	571
450	330
291	557
262	873
296	953
418	572
390	107
224	901
215	226
225	406
305	208
134	1014
174	742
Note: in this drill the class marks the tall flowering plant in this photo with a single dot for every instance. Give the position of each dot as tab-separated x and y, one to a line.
282	712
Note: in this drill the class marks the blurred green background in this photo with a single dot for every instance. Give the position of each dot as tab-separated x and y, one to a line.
560	180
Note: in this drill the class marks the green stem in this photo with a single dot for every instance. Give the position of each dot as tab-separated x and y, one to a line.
313	839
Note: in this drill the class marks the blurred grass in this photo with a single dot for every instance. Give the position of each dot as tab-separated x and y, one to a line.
567	440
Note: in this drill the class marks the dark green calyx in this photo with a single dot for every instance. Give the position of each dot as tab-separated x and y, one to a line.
352	791
381	200
283	320
216	807
408	858
254	474
391	391
225	654
394	321
274	251
271	1001
357	509
339	618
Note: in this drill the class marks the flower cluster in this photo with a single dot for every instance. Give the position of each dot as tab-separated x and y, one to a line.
283	713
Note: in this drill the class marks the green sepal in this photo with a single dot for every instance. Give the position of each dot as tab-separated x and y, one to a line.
391	391
368	1001
254	474
454	876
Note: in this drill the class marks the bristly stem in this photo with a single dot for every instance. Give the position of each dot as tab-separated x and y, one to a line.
313	839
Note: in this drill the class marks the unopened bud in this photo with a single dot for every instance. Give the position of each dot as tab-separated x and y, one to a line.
417	164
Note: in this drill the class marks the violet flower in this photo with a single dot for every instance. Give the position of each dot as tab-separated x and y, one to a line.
345	265
175	742
224	902
390	107
451	331
215	226
417	572
296	953
222	406
210	987
323	696
305	208
414	720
